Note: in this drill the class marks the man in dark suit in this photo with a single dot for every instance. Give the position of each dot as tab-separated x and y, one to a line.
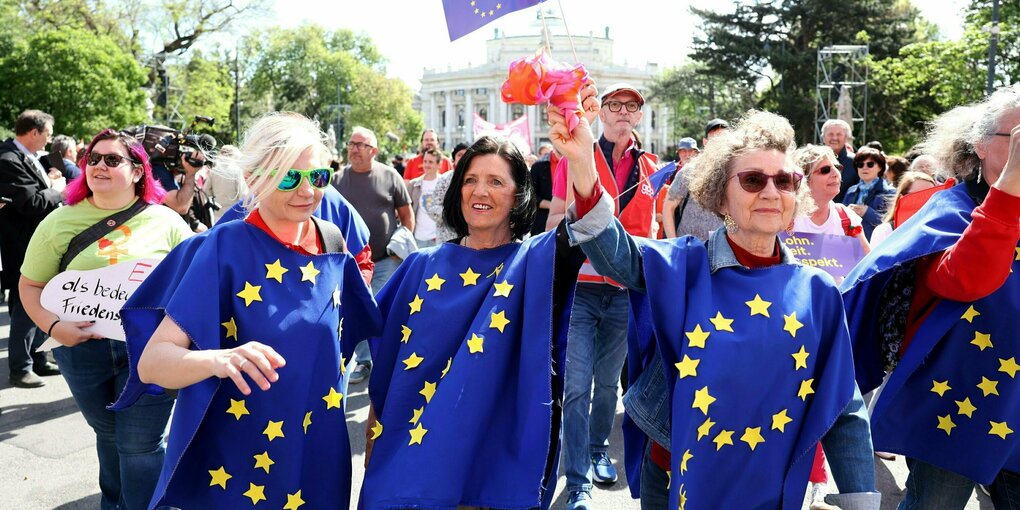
24	181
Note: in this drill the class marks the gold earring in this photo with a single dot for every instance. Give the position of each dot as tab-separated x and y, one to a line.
731	226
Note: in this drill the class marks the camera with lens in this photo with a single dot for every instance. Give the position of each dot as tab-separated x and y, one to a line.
165	146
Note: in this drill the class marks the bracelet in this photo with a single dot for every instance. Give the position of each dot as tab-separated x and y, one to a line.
48	331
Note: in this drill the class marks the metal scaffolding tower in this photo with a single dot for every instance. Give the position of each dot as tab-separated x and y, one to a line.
842	88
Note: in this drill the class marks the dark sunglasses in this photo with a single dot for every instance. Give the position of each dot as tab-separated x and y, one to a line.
616	106
869	164
824	170
755	181
111	160
318	177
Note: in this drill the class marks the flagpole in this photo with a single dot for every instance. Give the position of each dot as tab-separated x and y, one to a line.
563	15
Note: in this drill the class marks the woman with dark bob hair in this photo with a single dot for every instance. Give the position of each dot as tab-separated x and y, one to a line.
471	354
739	355
116	186
869	198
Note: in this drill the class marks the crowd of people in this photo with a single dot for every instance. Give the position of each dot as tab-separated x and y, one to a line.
496	304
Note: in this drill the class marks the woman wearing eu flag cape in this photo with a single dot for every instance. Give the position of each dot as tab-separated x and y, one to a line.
248	320
468	370
750	347
936	306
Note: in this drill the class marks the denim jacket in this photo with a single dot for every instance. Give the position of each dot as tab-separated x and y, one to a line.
615	254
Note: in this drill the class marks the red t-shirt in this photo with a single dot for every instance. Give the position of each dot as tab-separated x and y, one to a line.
415	167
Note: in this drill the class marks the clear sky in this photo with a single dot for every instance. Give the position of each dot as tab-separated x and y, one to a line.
412	34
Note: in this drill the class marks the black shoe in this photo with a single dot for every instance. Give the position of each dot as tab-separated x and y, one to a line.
46	369
27	380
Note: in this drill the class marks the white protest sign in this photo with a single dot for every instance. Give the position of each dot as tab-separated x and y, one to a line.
95	295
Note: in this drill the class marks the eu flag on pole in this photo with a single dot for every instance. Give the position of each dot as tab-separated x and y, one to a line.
466	16
658	179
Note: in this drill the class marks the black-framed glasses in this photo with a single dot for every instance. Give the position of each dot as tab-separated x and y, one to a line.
616	106
318	177
111	160
753	181
1007	135
357	145
869	164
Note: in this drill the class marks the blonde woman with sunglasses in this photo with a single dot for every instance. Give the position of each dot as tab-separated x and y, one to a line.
248	322
740	357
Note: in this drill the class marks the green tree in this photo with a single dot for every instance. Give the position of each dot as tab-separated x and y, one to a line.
203	86
87	82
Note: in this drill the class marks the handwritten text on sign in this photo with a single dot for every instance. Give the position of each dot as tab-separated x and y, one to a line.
835	255
95	295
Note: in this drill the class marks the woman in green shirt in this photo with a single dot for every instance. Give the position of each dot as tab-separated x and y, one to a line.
117	174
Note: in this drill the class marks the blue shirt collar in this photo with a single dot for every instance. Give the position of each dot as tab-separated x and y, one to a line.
720	254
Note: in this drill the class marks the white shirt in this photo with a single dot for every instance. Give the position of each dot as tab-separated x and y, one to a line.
832	226
424	227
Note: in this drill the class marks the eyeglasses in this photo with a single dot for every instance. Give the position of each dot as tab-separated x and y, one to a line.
318	177
824	170
869	164
616	106
111	160
1007	135
357	145
755	181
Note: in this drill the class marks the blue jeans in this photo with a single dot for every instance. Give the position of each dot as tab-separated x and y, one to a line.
931	487
384	269
596	349
654	484
25	338
130	443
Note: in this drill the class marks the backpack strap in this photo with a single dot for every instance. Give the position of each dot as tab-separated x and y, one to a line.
848	228
330	235
85	238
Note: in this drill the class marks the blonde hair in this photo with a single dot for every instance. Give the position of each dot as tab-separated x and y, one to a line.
274	142
755	131
953	135
809	155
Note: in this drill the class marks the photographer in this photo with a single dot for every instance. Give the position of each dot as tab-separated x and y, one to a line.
180	188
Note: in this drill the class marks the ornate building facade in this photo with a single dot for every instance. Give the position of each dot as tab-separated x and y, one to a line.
448	97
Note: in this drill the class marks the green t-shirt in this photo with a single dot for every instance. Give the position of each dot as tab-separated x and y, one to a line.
150	233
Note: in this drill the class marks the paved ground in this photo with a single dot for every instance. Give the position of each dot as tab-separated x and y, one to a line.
48	459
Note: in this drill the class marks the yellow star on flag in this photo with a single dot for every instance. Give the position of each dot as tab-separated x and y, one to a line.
307	421
237	408
723	438
752	436
427	391
697	337
275	271
405	333
791	323
1009	366
683	497
758	306
475	344
333	399
702	400
705	428
447	368
263	461
683	461
470	277
219	477
502	289
805	389
336	295
1017	254
294	501
417	433
250	294
416	415
435	283
946	424
721	323
413	361
343	363
255	492
377	430
982	340
999	428
965	407
779	421
688	367
308	273
940	387
988	386
800	358
970	314
231	328
499	321
415	304
273	430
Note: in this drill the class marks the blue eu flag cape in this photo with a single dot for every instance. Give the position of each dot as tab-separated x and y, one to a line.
952	399
333	208
288	445
758	361
462	380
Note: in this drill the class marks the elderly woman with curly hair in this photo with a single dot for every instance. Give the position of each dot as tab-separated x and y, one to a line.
750	347
935	307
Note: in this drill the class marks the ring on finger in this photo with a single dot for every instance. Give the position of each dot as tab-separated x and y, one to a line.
240	366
